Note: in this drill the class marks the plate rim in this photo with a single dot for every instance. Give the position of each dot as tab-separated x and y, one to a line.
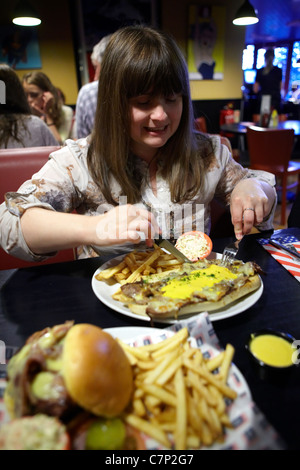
214	316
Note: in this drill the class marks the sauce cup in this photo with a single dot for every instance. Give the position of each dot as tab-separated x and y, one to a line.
271	353
194	245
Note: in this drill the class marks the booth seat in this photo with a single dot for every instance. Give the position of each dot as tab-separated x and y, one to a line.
16	166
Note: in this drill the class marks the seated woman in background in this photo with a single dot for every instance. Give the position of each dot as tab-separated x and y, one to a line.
142	171
44	100
18	127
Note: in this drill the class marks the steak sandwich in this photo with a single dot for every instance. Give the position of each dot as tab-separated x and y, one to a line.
77	374
66	368
206	285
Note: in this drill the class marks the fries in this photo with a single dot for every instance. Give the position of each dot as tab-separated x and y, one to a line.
178	397
140	263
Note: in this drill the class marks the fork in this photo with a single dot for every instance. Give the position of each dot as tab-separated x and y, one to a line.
291	247
230	252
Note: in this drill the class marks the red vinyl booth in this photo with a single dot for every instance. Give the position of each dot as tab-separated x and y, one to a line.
16	166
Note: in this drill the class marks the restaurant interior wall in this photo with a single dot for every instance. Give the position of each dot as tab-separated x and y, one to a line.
210	96
55	43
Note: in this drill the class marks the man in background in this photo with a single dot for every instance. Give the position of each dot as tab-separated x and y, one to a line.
269	81
87	97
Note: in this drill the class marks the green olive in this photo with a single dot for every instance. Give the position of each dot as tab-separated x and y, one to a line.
106	434
42	386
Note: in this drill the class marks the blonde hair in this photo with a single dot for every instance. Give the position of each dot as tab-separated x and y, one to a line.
137	60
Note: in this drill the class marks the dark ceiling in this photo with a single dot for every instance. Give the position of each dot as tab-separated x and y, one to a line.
279	20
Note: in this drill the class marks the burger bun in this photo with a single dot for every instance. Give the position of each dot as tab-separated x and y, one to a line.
96	371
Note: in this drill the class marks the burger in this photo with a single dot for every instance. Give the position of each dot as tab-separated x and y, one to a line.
78	374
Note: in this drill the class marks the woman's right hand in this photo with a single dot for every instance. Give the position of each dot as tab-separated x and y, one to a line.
47	231
126	223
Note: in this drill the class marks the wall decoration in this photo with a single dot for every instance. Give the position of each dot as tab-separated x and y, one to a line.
19	47
105	17
206	38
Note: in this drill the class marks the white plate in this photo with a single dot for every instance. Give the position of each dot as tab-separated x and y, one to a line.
104	291
144	335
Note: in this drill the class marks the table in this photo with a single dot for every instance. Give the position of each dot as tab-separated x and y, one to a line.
36	297
241	127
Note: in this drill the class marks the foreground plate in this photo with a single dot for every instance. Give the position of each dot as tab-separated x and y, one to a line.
104	291
143	335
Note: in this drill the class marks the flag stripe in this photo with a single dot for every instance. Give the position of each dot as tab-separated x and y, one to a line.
283	258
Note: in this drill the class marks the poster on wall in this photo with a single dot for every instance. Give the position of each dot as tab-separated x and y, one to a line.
19	47
105	17
206	37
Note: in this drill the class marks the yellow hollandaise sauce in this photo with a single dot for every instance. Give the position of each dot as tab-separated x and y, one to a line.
272	350
185	286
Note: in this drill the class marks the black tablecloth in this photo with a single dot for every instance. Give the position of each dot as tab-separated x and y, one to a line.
33	298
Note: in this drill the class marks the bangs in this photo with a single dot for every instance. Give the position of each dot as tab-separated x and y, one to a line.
156	72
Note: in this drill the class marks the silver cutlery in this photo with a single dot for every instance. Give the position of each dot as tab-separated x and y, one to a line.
230	252
288	247
163	243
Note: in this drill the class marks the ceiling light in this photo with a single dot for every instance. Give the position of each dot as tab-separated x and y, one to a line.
25	15
245	15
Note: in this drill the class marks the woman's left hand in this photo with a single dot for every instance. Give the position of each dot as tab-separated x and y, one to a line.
251	201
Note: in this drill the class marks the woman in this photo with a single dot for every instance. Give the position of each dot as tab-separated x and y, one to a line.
142	171
44	100
18	128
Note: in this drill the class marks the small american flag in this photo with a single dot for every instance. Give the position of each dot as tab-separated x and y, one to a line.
282	257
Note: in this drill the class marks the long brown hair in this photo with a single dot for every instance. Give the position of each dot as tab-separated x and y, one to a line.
139	59
15	111
42	81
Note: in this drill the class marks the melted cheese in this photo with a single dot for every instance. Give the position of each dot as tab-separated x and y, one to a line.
185	286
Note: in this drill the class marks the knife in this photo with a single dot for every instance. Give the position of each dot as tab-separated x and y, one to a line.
285	248
163	243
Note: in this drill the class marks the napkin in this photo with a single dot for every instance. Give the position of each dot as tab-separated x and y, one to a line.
289	263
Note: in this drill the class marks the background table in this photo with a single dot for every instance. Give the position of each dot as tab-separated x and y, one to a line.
241	127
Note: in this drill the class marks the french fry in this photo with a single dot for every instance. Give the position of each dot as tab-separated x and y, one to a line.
148	261
139	407
225	366
139	353
148	428
160	393
177	400
215	362
169	372
171	343
110	272
227	391
161	367
181	411
137	264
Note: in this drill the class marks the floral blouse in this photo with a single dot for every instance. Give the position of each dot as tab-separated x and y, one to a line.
64	184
